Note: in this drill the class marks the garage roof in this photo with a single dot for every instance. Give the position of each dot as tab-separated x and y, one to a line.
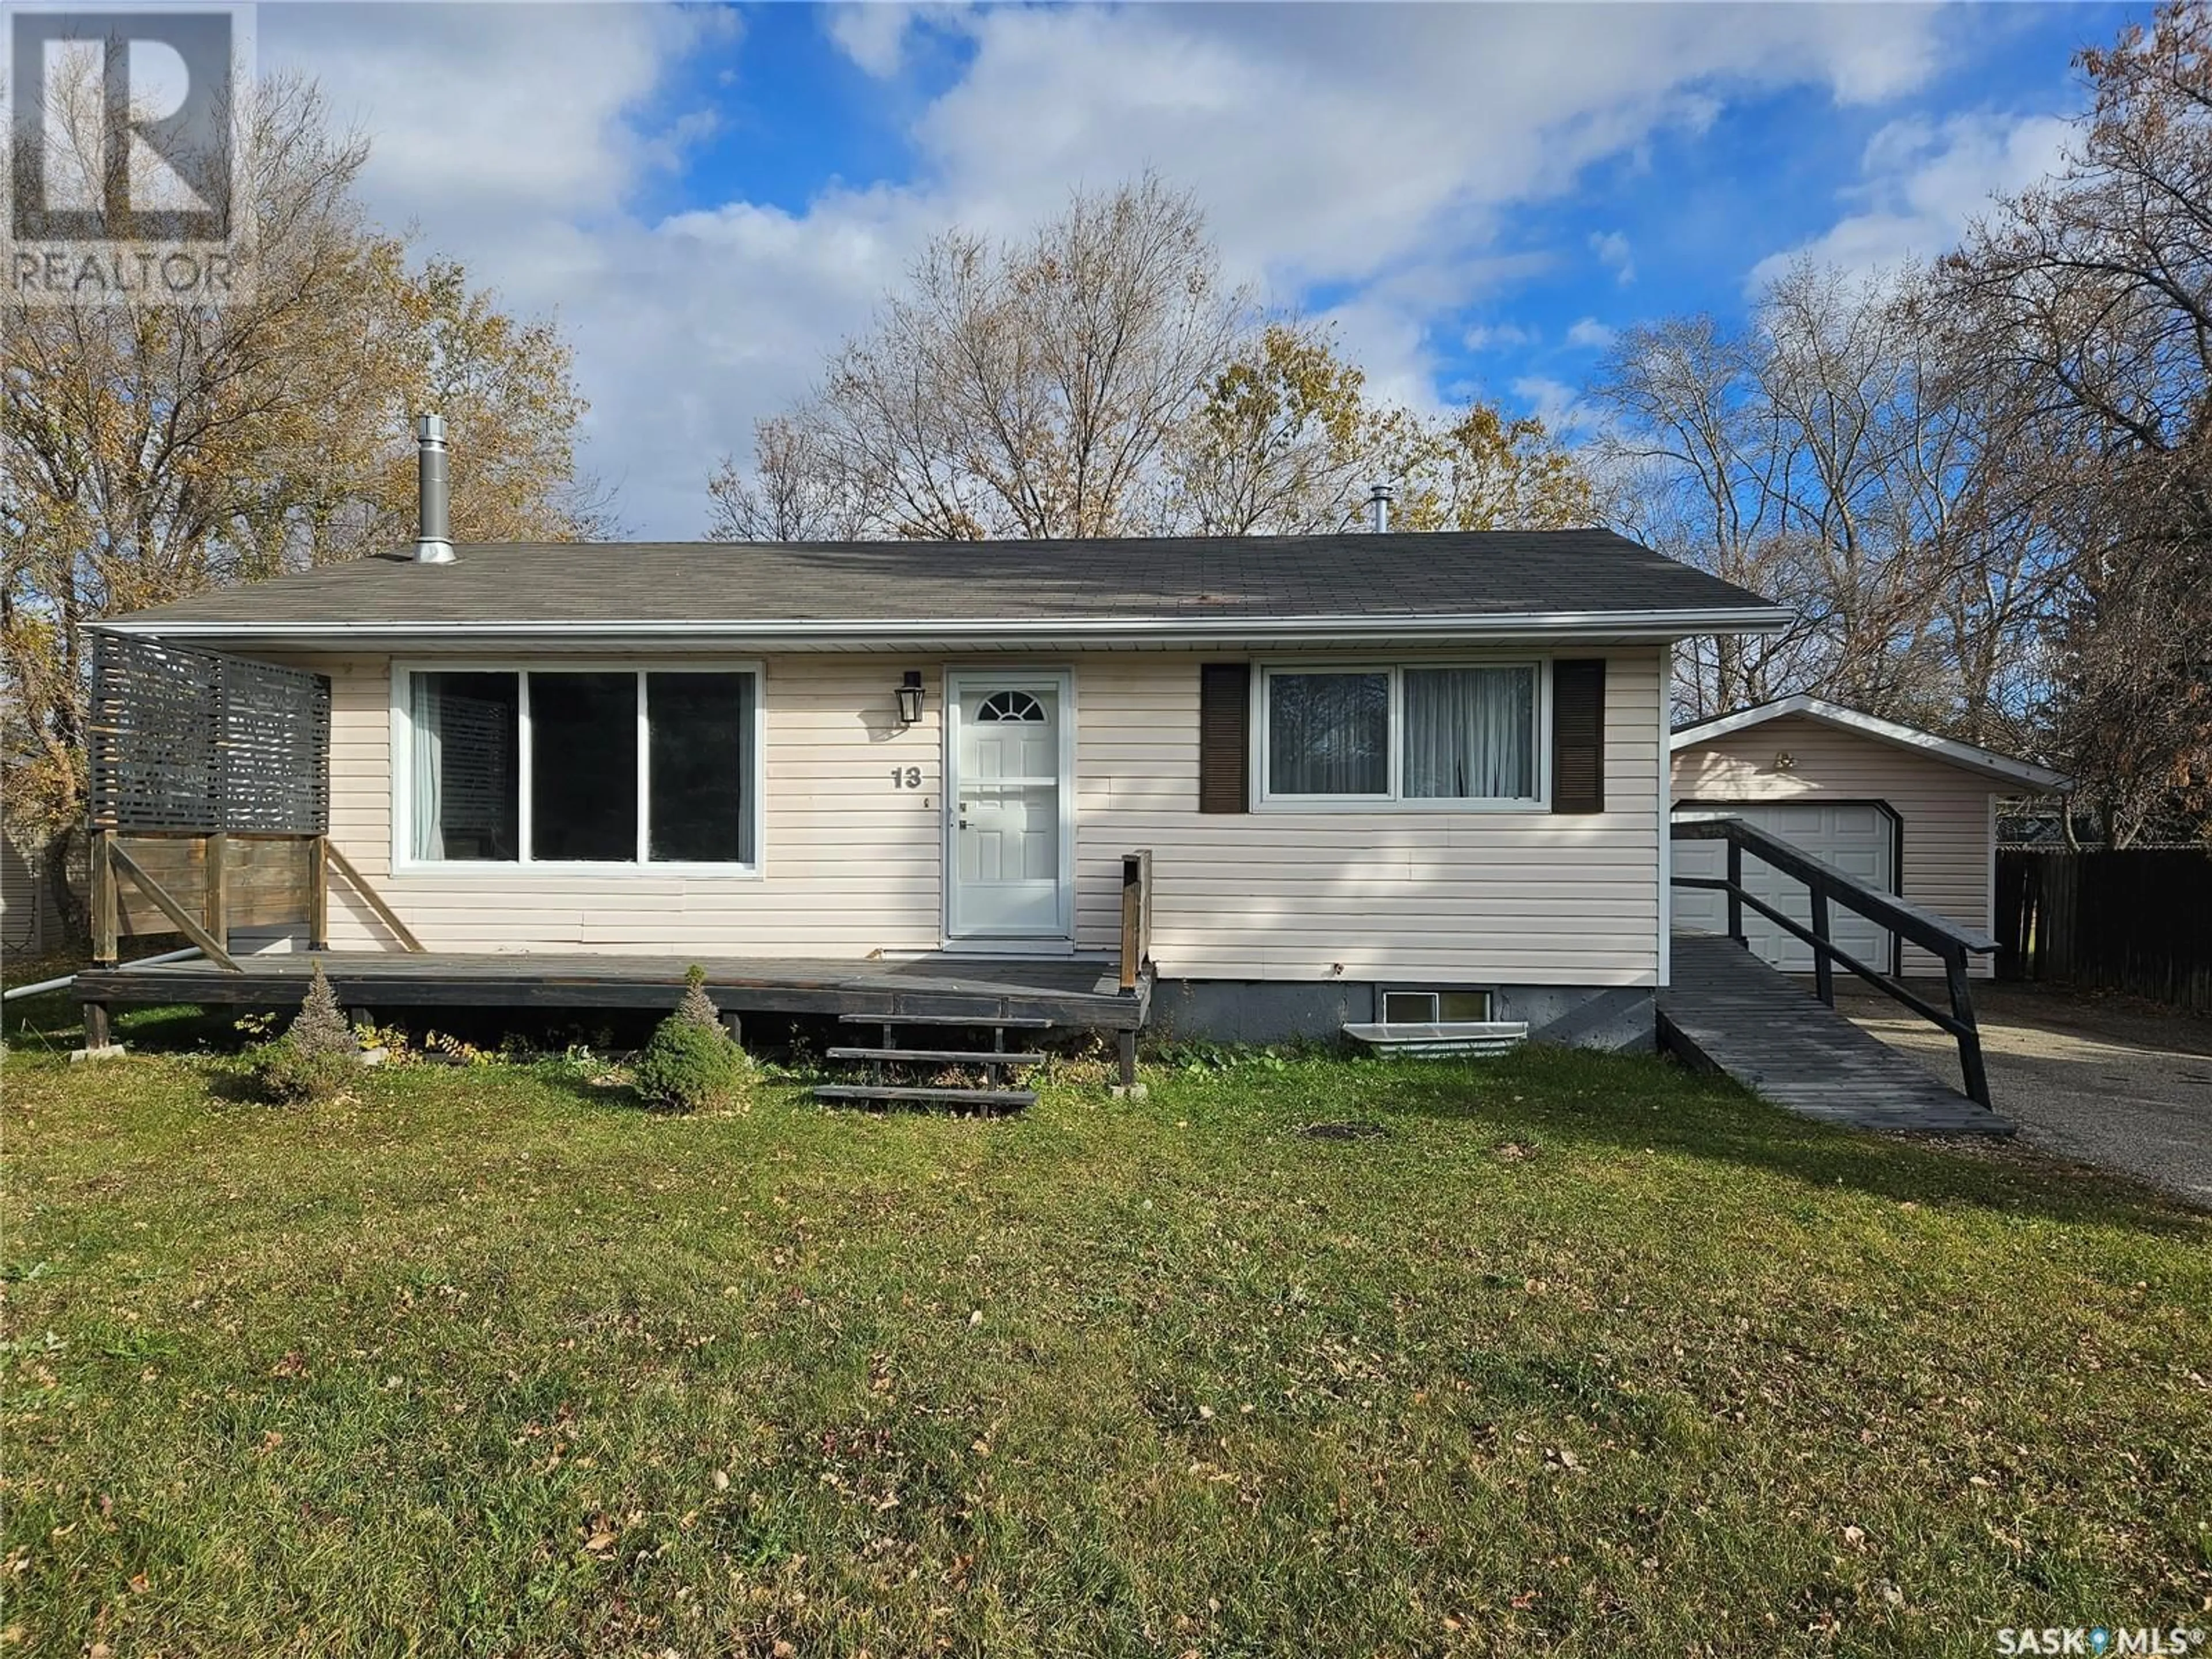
1987	763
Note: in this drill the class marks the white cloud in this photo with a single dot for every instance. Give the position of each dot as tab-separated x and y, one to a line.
1590	334
1555	403
873	35
1614	253
1373	150
1922	181
1484	336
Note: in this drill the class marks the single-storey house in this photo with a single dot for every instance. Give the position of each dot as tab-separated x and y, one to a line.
1378	777
1903	809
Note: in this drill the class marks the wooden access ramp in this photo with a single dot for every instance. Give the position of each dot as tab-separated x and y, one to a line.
1726	1011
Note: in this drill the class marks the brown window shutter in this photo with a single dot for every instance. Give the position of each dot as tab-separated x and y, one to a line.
1578	735
1224	728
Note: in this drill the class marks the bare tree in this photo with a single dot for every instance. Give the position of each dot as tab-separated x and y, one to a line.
1029	390
2090	298
1696	471
1842	454
1100	378
798	492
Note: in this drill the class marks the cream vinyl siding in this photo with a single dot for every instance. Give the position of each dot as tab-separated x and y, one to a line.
851	865
1508	897
1948	835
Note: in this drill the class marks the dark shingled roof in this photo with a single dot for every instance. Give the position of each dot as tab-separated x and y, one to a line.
1485	573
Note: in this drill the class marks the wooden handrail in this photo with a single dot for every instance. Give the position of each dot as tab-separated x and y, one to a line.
1136	915
1827	952
1924	927
1825	884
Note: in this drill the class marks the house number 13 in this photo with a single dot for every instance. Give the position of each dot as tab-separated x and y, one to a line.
906	777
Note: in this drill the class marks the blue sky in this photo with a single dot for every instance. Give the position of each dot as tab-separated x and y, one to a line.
1473	196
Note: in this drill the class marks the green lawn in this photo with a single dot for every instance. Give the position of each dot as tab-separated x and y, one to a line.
1579	1355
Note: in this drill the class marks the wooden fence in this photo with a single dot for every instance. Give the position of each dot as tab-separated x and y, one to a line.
2134	921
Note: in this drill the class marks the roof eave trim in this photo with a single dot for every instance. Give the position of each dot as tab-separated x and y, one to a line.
1653	624
1988	763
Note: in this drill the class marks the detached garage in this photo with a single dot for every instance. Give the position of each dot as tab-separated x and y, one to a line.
1900	809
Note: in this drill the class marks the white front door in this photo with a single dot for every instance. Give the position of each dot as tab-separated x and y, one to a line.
1008	854
1859	839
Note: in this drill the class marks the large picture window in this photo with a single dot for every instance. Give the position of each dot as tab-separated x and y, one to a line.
1470	734
583	766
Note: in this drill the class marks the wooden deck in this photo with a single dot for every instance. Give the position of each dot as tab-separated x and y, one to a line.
1080	992
1728	1011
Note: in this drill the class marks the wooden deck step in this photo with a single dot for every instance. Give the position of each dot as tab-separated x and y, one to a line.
967	1022
940	1056
947	1097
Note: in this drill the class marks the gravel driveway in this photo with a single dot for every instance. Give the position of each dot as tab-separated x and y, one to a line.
2106	1080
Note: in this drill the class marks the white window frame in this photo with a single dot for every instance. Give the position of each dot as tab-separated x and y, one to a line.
403	861
1436	993
1263	799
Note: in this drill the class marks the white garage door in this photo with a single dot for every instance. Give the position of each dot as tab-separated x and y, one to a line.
1857	840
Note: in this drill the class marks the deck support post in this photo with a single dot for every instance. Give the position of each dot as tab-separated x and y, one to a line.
1824	970
1735	892
215	907
103	908
99	1041
1972	1070
1125	1066
319	893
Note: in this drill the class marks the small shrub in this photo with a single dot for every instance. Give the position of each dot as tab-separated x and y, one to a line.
687	1066
316	1056
697	1008
690	1060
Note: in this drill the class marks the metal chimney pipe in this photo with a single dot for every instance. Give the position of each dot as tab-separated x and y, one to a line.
1378	508
433	538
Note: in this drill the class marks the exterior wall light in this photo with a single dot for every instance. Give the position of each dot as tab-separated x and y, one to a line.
1785	761
909	697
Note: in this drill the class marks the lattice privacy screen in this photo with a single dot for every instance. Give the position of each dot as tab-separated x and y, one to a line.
194	741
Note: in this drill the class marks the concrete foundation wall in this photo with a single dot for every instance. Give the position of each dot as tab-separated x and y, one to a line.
1618	1018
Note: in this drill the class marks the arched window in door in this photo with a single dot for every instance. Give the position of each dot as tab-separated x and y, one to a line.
1011	707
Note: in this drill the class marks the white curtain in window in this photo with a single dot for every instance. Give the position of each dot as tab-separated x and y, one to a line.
1470	733
1328	734
425	720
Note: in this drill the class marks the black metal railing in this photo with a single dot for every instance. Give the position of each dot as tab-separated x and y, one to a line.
1825	886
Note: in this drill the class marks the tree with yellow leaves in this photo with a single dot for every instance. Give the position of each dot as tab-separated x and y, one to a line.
149	450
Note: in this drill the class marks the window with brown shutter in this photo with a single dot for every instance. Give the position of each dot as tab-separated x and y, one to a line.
1225	725
1578	735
